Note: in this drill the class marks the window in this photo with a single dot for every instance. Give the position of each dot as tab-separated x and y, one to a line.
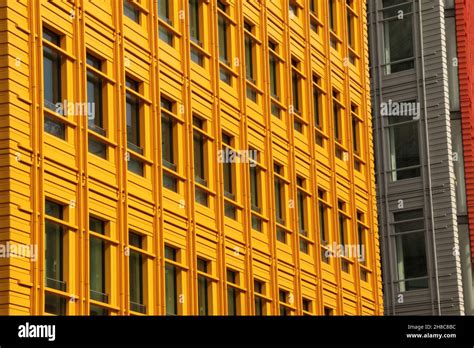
54	258
131	11
165	21
362	239
171	281
133	117
398	36
95	92
314	10
255	190
232	293
342	223
54	304
293	8
200	174
285	302
307	306
195	15
250	66
296	87
356	137
280	202
332	15
351	30
97	260
168	142
457	145
453	65
322	212
336	112
134	125
260	300
98	311
404	147
301	198
136	264
274	66
52	84
328	311
333	23
228	168
54	247
318	111
204	287
409	228
224	29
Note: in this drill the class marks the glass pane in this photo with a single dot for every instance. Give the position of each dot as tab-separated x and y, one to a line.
458	161
54	256
411	260
51	78
404	150
136	278
167	139
54	304
398	43
231	301
133	121
97	269
203	296
453	76
171	289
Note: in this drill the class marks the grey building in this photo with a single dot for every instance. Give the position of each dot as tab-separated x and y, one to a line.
426	263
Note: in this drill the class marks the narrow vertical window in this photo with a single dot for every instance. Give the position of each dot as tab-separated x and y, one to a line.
224	28
200	174
171	281
168	144
204	287
136	281
232	293
255	190
280	202
195	24
54	259
301	197
323	224
259	299
228	168
398	36
284	300
95	106
97	245
134	126
52	84
412	265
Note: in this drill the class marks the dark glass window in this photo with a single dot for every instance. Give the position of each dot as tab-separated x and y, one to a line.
232	294
133	118
398	36
97	261
54	251
52	80
412	266
136	263
204	285
131	11
404	147
171	282
55	304
259	301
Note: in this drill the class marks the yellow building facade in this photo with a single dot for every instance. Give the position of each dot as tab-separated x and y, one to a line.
187	157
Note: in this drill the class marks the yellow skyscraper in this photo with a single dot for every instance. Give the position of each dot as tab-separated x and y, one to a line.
186	157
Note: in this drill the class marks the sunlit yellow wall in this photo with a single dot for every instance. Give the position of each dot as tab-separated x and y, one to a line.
36	166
